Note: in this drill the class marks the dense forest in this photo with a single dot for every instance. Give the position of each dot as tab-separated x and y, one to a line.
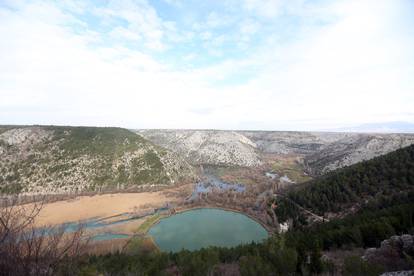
383	190
367	181
272	257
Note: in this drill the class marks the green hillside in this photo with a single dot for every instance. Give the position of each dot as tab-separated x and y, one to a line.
353	186
367	203
67	159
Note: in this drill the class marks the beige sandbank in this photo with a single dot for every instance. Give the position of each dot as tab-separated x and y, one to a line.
106	205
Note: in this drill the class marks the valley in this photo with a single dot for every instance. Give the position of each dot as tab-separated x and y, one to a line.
119	185
207	138
70	160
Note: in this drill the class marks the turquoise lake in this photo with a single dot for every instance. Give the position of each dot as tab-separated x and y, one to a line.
205	227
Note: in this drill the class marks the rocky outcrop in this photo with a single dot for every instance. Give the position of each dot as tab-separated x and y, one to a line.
393	253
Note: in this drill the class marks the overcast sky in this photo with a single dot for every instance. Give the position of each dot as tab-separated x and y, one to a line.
226	64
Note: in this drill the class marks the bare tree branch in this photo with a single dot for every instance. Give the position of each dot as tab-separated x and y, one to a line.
28	250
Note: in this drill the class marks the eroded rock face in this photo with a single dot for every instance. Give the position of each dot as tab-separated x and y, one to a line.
208	146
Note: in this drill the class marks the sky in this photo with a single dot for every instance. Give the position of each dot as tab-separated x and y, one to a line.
217	64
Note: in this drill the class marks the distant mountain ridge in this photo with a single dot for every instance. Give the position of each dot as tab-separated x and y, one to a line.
385	127
54	159
322	151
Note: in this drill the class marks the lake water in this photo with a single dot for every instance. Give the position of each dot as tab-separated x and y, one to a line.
205	227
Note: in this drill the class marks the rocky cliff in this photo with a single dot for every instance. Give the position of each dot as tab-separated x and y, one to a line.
213	147
354	148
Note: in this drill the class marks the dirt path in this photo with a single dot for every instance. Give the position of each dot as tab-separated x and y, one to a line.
319	218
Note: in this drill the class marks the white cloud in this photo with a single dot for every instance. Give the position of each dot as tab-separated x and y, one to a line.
177	3
124	33
265	8
215	20
142	19
358	68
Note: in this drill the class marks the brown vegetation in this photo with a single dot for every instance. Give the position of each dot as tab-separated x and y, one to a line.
27	250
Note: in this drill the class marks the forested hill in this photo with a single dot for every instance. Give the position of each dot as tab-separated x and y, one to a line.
376	179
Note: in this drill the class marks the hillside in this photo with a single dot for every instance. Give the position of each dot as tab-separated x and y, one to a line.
354	148
212	147
321	151
370	181
39	159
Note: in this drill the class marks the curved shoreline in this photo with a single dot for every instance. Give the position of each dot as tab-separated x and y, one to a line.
183	210
179	211
266	227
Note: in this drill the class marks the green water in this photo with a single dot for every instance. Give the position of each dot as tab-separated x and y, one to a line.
109	236
205	227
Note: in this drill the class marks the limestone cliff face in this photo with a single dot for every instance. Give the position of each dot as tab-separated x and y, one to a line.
355	148
37	160
212	147
322	151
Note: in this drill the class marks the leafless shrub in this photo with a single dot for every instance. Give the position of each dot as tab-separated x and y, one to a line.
27	250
